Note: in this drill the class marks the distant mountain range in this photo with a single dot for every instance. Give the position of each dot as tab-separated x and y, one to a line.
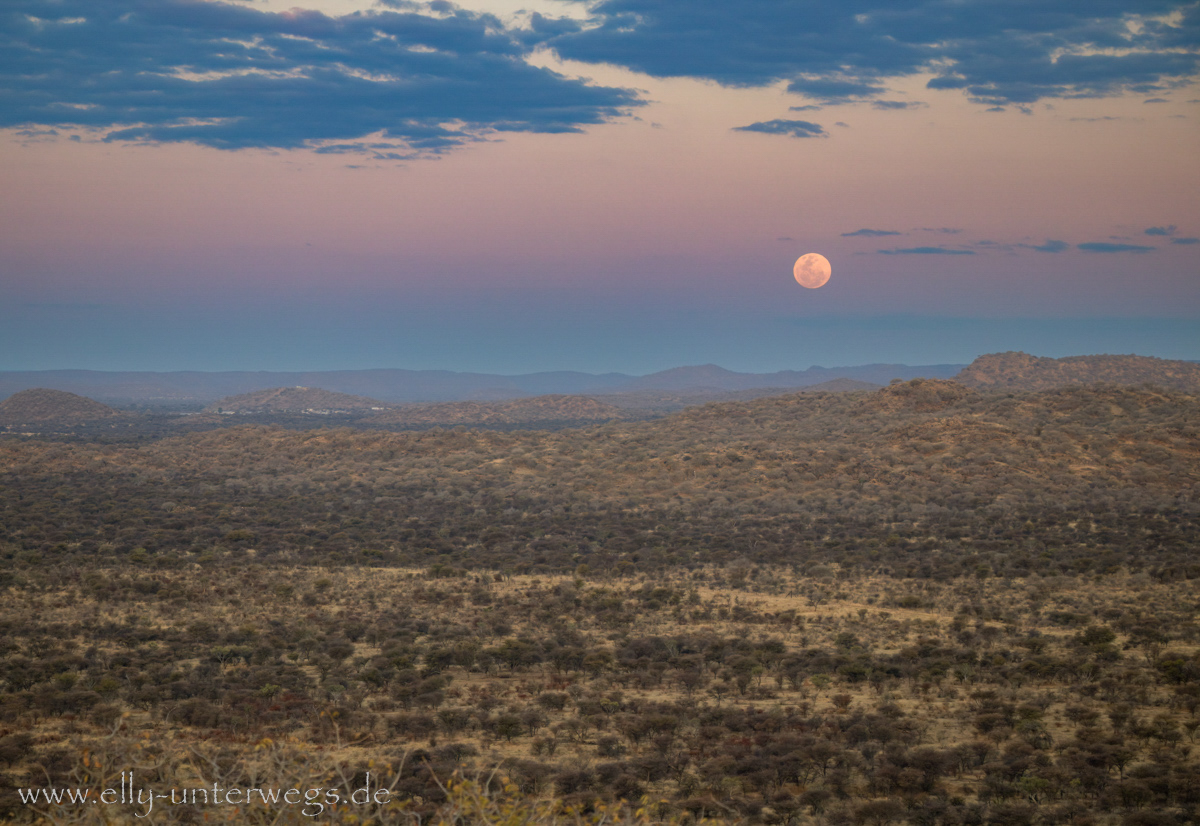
653	396
398	386
551	408
361	390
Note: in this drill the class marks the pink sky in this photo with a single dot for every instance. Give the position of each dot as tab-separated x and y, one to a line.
668	208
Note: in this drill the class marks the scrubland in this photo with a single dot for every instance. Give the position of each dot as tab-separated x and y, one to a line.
923	605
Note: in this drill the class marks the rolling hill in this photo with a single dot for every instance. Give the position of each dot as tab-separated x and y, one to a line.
39	406
1021	371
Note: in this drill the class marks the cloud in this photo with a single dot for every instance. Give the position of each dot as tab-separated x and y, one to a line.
1185	241
1103	246
926	251
834	89
542	25
1049	246
869	233
432	76
793	128
231	76
1169	230
993	52
897	104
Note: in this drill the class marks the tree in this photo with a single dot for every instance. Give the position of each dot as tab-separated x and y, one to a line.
878	812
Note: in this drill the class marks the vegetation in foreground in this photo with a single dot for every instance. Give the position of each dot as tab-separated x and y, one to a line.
740	694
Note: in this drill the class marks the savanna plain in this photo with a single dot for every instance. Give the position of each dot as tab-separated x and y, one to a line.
926	604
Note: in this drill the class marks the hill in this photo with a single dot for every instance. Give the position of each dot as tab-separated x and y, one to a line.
1037	478
549	409
40	405
1021	371
310	400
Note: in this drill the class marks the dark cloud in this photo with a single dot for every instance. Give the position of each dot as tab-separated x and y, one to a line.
543	26
792	128
1168	230
834	89
997	53
869	233
231	76
926	251
1104	246
897	104
431	76
1185	240
1049	246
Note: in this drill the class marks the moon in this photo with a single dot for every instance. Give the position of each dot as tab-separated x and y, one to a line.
812	270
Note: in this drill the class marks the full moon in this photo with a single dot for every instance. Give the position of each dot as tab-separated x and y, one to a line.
812	270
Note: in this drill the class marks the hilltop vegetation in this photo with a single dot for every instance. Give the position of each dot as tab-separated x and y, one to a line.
1020	371
39	406
922	476
543	410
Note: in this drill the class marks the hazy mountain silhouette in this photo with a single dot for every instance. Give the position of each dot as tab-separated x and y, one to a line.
394	386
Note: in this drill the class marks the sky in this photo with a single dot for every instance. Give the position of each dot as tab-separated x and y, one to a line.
620	185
